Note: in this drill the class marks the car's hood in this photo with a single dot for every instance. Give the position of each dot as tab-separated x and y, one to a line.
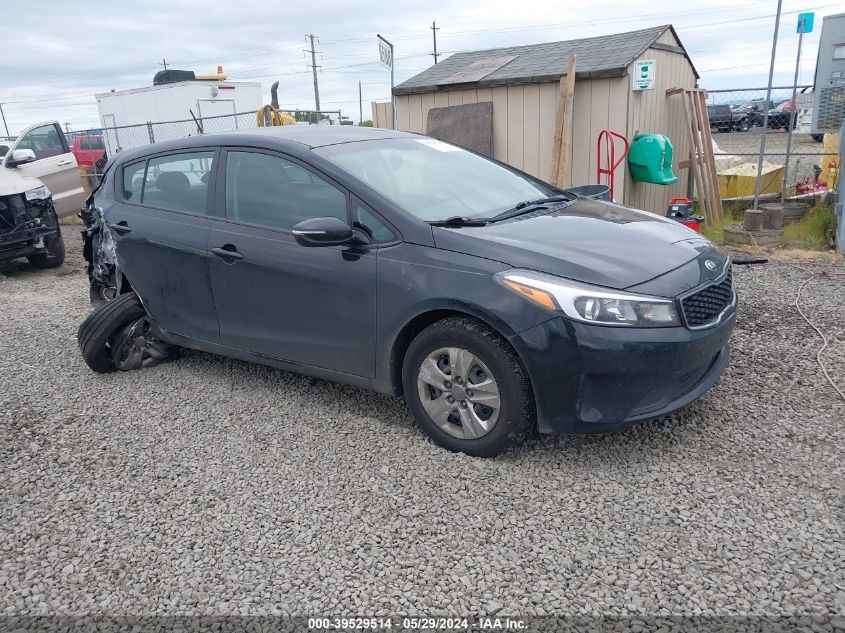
12	182
590	240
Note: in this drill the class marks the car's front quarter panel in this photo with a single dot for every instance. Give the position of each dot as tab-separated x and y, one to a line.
414	280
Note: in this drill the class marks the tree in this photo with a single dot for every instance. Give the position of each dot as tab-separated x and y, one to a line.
366	123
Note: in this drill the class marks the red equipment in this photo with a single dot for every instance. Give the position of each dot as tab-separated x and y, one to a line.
609	137
680	209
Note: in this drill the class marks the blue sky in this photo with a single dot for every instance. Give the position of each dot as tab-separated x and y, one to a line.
60	53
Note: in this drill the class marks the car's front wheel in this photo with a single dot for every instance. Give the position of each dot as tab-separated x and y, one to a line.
467	389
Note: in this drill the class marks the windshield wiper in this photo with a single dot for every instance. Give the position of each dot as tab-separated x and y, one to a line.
458	221
527	206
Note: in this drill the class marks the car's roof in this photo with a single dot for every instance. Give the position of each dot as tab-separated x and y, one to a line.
305	136
318	135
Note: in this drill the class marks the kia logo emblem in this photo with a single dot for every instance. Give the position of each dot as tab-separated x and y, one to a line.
709	264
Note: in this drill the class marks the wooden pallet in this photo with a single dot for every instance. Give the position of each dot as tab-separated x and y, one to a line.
701	160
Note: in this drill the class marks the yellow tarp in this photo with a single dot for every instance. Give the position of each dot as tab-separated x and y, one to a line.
831	155
739	181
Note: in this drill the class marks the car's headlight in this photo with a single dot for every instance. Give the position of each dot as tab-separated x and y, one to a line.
590	304
39	193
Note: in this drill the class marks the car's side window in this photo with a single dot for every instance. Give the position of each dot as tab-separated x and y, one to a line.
270	191
366	220
44	141
133	181
178	182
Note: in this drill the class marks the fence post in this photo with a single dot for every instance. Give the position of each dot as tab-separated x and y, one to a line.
150	132
840	202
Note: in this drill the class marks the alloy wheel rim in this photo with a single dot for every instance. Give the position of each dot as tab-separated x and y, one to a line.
459	393
134	347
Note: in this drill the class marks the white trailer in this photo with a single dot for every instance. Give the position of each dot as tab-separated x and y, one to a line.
125	114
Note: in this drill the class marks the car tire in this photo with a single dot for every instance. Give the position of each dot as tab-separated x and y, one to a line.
100	327
54	255
743	125
817	138
515	417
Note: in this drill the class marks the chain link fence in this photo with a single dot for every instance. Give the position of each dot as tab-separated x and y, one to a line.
98	144
804	166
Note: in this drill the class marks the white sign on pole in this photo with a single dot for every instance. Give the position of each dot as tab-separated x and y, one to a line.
385	54
643	77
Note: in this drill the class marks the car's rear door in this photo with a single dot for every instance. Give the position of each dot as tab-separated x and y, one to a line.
160	224
313	306
55	165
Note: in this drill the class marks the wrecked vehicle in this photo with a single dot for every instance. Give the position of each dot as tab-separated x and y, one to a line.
39	182
495	303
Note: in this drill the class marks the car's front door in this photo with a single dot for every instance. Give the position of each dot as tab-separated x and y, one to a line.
313	306
160	224
54	165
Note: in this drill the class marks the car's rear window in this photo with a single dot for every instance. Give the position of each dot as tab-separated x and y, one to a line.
176	182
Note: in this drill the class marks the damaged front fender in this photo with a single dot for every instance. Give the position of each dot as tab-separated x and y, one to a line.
100	251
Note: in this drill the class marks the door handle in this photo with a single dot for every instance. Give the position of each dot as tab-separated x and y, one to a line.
227	253
122	228
62	163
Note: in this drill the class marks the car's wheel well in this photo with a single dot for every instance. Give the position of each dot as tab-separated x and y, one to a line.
414	327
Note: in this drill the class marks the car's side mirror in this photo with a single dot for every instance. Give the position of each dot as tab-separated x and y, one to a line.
20	157
326	232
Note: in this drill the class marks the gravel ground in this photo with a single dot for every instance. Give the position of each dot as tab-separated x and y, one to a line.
210	486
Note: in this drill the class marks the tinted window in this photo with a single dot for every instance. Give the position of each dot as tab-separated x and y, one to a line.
364	219
44	141
178	182
4	149
133	181
274	192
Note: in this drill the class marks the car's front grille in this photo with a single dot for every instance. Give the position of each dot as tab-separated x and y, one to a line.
705	306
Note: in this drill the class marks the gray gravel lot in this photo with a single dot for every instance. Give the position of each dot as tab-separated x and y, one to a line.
210	486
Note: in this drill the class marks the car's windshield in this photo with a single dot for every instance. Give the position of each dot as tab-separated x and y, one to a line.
433	180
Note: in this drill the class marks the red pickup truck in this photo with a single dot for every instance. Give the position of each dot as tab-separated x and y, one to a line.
88	149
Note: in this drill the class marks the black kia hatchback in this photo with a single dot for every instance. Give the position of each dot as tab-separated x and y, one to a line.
495	303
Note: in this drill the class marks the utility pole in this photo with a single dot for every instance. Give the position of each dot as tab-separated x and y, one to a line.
434	30
67	127
163	63
360	104
757	185
4	121
314	70
793	116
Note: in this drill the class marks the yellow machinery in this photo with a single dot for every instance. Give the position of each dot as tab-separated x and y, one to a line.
269	115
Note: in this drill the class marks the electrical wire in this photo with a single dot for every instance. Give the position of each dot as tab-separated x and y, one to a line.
819	332
813	275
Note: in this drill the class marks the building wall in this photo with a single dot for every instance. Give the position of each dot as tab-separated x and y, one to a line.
651	111
524	117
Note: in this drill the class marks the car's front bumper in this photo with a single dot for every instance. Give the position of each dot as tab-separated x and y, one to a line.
594	379
24	242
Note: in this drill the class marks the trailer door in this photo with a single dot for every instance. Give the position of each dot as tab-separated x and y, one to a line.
217	115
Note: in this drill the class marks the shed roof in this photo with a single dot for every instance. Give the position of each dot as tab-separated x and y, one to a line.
602	56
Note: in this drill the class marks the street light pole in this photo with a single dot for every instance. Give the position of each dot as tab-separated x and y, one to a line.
766	113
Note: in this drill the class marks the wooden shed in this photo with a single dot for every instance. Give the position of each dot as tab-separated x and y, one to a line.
522	82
